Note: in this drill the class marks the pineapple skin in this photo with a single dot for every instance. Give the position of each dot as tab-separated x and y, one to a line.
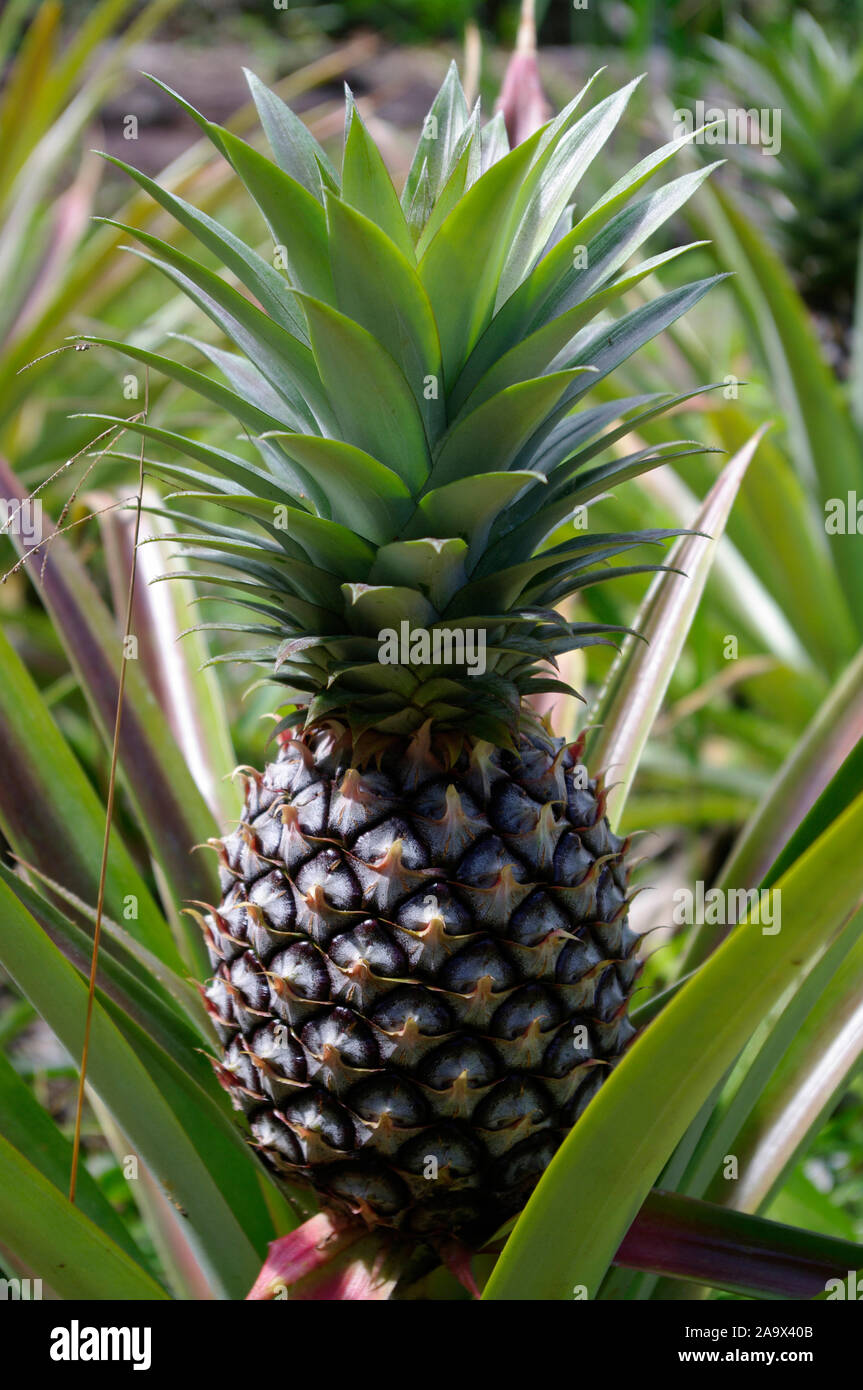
421	971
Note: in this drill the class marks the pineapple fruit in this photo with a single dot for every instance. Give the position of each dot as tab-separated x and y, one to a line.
421	958
814	185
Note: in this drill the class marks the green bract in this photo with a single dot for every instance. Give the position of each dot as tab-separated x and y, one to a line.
411	383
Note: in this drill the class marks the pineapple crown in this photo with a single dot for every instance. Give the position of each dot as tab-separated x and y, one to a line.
410	382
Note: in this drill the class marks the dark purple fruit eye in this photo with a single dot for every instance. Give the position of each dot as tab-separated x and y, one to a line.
516	1099
329	874
311	807
316	1111
371	945
571	1046
534	1004
220	1000
484	862
247	975
238	1061
344	1033
576	958
403	1006
609	897
535	919
389	1096
274	1045
376	844
527	1162
480	961
272	894
302	968
443	1151
571	860
274	1135
435	901
580	801
373	1186
609	996
513	812
460	1057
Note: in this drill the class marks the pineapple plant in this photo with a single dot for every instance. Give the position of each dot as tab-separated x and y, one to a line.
813	184
421	852
421	957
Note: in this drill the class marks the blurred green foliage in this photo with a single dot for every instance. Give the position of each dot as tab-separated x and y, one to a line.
635	24
720	742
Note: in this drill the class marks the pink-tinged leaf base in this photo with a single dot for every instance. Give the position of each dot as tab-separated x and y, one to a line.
458	1260
694	1240
328	1258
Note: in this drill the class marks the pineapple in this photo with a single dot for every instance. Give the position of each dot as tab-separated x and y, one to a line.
421	958
815	184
